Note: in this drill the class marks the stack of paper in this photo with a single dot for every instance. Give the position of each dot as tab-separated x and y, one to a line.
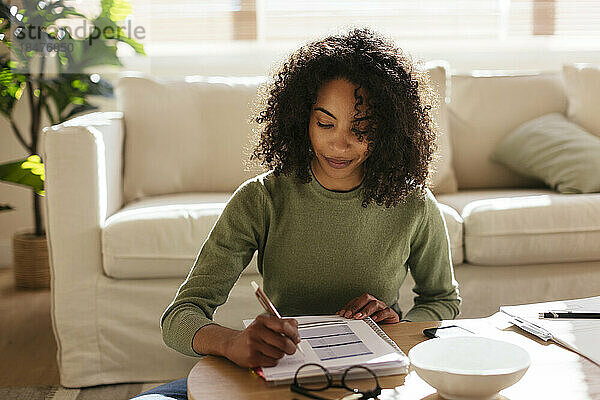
579	335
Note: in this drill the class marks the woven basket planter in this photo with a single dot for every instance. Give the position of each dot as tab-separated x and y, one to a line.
31	266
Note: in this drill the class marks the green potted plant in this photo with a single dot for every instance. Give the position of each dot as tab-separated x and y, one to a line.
44	63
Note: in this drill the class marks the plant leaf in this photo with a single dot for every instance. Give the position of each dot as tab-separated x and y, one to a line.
88	53
11	87
27	172
122	37
116	10
69	94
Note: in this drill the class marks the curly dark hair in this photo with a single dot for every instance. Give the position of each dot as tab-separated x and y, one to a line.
401	135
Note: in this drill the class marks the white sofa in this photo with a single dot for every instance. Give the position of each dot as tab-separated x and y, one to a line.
132	195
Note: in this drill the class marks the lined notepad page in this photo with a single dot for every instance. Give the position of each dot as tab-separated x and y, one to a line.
579	335
337	343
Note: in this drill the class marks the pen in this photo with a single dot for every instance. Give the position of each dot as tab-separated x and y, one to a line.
570	314
267	305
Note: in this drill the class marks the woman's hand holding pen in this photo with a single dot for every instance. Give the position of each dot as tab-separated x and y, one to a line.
264	342
368	306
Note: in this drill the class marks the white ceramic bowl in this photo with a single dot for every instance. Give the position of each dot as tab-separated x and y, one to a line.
469	367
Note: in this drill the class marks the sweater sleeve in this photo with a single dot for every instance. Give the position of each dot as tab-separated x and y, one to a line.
231	243
430	263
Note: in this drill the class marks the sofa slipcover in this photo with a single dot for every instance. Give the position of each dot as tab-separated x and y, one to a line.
107	329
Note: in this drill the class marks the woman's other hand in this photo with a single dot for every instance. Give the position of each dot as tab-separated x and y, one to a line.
264	342
368	306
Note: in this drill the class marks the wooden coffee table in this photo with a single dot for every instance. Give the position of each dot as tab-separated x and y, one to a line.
555	372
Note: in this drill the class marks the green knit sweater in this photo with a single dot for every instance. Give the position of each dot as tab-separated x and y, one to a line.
317	250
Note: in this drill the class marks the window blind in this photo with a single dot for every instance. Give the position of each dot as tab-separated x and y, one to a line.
202	21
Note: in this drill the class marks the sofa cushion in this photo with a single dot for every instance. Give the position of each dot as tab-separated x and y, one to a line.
484	108
442	177
582	82
556	151
513	227
179	132
160	236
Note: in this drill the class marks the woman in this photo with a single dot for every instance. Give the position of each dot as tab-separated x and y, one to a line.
340	218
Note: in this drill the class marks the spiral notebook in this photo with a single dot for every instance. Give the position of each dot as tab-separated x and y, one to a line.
338	343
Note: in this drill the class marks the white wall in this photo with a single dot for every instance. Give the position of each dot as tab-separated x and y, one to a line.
251	59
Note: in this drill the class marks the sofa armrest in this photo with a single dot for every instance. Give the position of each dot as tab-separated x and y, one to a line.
83	165
87	153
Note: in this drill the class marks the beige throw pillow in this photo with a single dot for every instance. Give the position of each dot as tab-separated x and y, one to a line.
554	150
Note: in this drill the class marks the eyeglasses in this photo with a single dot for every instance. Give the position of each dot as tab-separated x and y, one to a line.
316	378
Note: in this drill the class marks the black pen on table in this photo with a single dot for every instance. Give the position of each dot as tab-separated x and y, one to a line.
268	306
569	314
